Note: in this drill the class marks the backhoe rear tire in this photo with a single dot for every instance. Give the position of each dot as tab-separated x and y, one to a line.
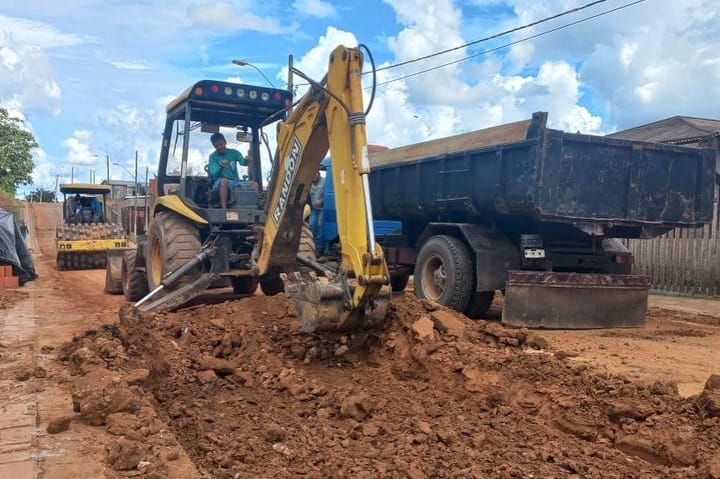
134	282
172	242
444	273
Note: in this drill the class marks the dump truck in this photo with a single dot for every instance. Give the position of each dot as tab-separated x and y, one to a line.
536	213
85	235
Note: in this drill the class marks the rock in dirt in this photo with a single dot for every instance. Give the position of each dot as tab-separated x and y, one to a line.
631	410
709	402
356	406
657	451
274	434
448	323
96	404
579	428
713	383
124	455
207	376
222	367
59	425
39	372
536	342
664	388
340	351
137	376
423	328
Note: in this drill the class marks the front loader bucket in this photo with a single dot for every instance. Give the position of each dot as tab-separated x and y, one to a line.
326	306
574	300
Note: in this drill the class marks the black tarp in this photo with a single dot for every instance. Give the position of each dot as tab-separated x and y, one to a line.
13	249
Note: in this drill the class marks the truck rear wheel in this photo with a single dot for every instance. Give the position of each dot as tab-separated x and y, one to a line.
443	272
172	242
134	282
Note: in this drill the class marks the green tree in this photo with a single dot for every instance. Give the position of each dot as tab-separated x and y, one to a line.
16	163
41	195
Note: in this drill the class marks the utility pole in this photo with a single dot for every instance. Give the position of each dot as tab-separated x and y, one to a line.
147	211
107	163
136	195
72	174
57	180
290	82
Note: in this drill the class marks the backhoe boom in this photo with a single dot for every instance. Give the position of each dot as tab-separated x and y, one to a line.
330	116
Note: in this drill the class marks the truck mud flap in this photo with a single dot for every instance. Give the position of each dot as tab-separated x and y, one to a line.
575	300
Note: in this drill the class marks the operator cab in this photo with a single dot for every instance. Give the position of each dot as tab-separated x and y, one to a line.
239	112
84	203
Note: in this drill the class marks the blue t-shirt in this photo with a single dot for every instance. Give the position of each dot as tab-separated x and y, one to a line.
233	158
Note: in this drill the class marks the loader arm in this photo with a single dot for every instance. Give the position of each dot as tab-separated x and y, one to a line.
329	116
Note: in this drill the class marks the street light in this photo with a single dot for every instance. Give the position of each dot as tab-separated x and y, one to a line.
243	63
128	171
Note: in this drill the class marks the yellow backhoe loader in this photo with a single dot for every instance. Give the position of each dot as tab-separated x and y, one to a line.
193	241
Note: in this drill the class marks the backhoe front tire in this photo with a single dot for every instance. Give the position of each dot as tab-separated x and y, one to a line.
444	273
134	282
172	242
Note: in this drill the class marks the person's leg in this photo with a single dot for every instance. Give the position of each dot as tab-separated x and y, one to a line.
312	221
223	192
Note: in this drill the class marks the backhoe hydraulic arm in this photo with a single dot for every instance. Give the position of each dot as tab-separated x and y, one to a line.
329	116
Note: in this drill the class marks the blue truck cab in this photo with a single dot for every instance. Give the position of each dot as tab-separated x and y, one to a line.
383	228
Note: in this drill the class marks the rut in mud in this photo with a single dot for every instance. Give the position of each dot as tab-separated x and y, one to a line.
431	395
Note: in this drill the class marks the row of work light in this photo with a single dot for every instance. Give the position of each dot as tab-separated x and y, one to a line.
240	92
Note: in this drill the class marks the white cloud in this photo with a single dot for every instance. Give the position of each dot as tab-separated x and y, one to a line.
28	32
314	8
125	65
642	63
78	148
27	79
223	15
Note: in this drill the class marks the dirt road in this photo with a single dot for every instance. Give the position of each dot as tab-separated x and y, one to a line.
232	390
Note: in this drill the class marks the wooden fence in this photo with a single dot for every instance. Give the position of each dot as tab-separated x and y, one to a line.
684	260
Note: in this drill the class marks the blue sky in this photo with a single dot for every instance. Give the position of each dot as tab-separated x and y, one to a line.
92	78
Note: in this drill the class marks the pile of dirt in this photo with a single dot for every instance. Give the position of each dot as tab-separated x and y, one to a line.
430	395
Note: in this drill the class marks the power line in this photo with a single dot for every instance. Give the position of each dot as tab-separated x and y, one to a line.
497	35
506	45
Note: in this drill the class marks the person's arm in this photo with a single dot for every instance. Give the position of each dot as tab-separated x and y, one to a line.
214	166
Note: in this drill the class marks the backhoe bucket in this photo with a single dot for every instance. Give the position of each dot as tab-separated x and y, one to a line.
536	299
326	306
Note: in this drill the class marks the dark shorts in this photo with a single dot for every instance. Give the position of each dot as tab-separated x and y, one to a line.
231	184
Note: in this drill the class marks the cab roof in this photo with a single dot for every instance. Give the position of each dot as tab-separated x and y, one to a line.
85	188
229	104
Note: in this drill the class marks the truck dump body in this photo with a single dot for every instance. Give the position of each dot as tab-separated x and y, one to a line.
602	185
